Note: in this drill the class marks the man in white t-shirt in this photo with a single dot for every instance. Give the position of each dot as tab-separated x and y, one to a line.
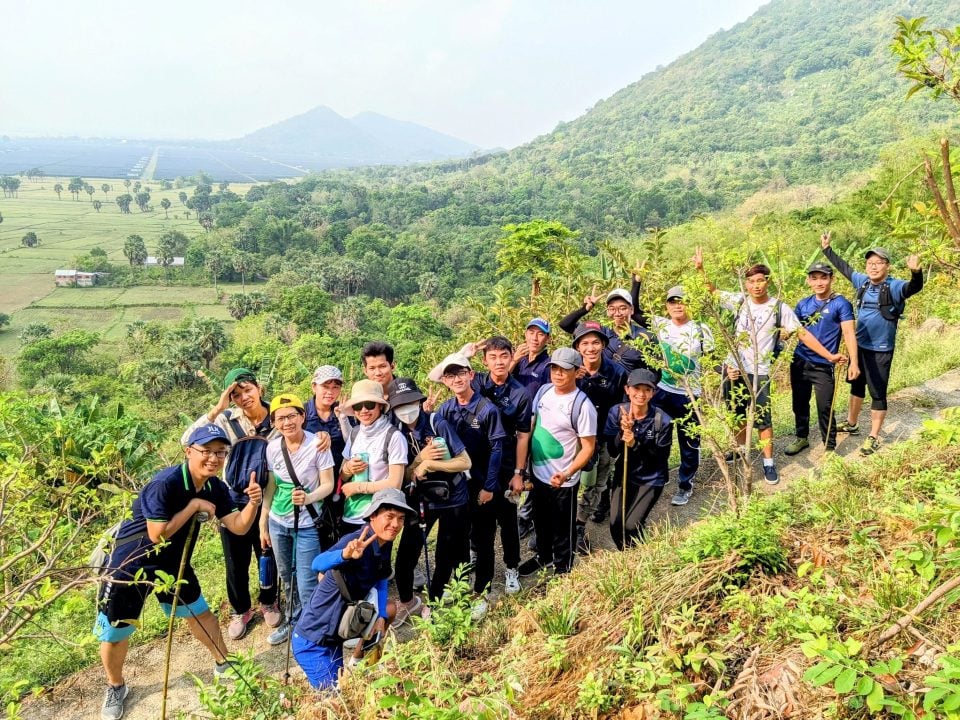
760	324
562	442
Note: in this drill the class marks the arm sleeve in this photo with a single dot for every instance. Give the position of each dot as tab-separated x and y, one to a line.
915	285
839	263
328	560
382	590
569	323
639	316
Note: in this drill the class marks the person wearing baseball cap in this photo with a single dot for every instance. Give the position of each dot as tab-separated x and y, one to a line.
242	412
829	317
321	410
360	562
683	343
303	477
163	525
531	357
881	301
640	435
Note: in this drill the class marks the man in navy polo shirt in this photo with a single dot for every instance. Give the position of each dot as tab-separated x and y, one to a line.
152	541
531	361
477	422
321	410
603	381
829	317
881	301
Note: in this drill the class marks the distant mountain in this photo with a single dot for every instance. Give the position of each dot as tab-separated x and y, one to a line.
369	138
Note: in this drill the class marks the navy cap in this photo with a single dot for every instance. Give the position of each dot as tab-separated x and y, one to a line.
540	324
642	376
206	434
820	267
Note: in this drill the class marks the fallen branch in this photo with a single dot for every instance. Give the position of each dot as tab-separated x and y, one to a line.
904	622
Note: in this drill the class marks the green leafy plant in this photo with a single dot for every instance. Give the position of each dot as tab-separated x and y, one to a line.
249	692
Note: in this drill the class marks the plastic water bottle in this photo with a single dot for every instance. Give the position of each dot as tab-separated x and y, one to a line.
268	569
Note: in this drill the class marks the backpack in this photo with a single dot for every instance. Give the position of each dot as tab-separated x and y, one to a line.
778	343
579	399
107	544
891	311
248	453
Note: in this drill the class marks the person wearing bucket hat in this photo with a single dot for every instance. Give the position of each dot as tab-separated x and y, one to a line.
157	540
602	380
435	487
640	435
829	317
360	562
244	416
683	343
531	358
880	301
375	452
321	410
562	443
303	477
477	422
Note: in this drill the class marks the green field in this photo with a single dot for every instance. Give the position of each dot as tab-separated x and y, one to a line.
68	228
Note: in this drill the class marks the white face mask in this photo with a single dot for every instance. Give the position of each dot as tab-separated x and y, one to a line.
407	413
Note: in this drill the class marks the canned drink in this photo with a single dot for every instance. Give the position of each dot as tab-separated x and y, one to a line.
439	442
202	517
363	476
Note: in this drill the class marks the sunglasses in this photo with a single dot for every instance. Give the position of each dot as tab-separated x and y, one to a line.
365	405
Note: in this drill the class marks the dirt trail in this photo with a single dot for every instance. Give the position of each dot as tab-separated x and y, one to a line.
80	695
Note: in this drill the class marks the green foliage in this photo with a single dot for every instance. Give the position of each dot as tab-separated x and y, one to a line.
246	692
306	306
929	58
533	249
67	353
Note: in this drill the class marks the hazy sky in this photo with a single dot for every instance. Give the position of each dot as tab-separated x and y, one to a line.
495	73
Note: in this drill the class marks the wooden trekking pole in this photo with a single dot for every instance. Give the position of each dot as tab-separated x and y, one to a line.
623	494
173	614
833	402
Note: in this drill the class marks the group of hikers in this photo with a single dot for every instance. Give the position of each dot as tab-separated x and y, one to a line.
538	443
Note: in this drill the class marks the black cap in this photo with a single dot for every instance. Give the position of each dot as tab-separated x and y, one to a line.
588	327
404	391
820	267
642	376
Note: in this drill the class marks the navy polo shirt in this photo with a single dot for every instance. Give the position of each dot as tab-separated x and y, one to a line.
531	375
322	611
169	492
316	424
822	319
648	461
605	388
482	434
417	437
514	405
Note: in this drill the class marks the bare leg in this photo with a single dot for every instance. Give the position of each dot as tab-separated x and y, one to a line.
876	421
766	436
113	655
853	412
206	629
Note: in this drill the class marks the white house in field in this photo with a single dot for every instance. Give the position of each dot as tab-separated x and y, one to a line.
76	278
65	278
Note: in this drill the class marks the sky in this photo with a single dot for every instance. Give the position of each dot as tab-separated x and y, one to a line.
496	73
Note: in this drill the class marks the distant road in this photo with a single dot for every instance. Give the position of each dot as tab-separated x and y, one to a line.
151	167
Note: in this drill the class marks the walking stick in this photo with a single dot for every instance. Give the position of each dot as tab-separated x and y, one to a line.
293	584
173	611
833	402
623	496
426	550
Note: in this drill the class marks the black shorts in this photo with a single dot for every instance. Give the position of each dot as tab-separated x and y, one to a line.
874	375
737	394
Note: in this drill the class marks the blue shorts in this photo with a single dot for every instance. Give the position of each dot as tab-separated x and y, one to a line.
320	663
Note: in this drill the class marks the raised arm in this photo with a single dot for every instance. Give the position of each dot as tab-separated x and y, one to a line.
838	262
698	265
916	277
569	323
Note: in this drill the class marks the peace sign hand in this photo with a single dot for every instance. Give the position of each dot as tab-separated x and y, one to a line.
354	549
590	300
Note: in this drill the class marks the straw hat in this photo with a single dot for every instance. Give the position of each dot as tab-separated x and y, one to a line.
363	391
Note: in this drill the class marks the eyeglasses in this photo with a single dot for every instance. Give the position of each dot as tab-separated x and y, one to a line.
462	372
365	405
281	419
218	454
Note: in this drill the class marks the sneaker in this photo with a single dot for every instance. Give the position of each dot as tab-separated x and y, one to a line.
682	497
112	708
583	542
603	508
238	624
846	426
272	616
280	635
406	609
796	447
419	578
770	474
532	566
480	609
511	581
561	570
870	446
224	670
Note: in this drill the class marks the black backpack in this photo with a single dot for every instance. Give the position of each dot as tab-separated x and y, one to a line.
890	311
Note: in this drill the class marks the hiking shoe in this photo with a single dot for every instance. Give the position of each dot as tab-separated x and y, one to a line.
511	581
682	497
583	542
796	447
770	474
280	635
561	570
238	624
224	670
846	426
532	566
112	708
870	446
603	508
419	578
406	609
272	616
480	609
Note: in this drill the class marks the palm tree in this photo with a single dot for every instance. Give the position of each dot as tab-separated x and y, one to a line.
58	188
90	189
165	204
209	338
106	189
